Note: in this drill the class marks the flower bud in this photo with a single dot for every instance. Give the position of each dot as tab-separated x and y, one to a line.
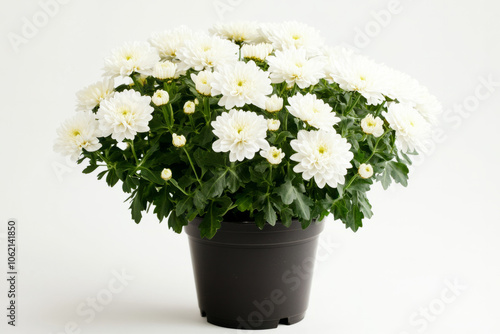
273	124
189	107
160	97
365	171
166	174
178	141
372	125
164	70
274	103
273	155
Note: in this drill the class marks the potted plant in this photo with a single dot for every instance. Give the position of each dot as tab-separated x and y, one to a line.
247	137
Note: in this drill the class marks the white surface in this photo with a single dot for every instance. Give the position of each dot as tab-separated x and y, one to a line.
75	231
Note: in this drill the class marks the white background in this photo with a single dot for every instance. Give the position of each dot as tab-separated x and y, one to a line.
74	230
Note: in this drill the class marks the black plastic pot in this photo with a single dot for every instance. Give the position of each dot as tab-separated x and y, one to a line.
248	278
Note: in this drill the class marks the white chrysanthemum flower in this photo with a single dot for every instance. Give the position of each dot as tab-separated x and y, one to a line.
365	171
241	83
160	97
322	155
92	95
124	115
354	72
166	174
203	52
372	125
273	124
257	52
202	81
189	107
312	111
241	133
237	32
132	57
78	133
170	41
413	132
408	90
178	140
273	155
274	103
293	35
293	66
165	70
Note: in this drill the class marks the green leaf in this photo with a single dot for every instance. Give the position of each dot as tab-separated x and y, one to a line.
183	205
286	217
90	168
245	203
269	213
211	221
152	176
130	183
302	206
136	206
399	172
260	220
385	177
199	200
112	178
287	192
215	186
176	223
233	181
365	206
162	203
354	218
291	195
281	137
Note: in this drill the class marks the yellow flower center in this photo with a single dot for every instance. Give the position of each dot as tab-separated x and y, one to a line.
76	133
322	149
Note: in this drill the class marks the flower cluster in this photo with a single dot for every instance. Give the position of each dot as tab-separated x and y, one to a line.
248	121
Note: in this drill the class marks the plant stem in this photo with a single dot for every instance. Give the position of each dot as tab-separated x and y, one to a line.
192	165
353	105
133	152
376	145
175	185
206	107
102	158
171	115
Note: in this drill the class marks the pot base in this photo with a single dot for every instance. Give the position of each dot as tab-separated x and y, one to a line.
266	324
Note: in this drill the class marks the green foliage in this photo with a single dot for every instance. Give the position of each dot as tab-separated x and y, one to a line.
206	184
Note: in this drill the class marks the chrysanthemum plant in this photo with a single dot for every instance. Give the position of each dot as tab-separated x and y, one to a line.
255	122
